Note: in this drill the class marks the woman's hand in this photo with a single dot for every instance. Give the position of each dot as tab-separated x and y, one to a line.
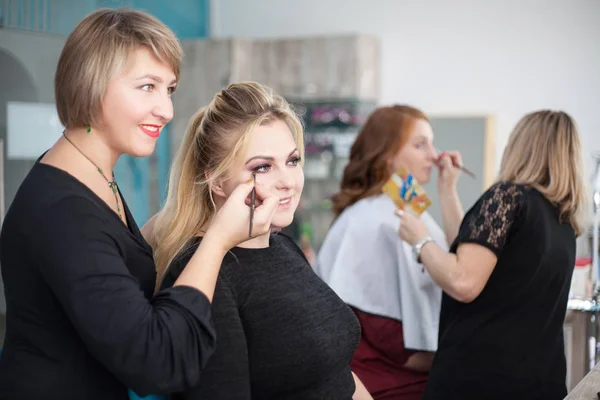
448	163
230	226
412	228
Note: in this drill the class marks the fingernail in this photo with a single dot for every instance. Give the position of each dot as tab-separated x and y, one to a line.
399	213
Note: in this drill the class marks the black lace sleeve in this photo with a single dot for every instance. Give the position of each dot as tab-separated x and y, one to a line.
490	220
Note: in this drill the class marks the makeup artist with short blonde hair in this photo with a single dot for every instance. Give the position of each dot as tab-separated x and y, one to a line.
83	320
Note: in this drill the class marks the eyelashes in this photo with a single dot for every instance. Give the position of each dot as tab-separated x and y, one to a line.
261	168
149	87
294	161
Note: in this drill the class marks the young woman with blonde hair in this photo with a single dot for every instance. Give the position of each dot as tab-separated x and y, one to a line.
506	278
83	321
282	333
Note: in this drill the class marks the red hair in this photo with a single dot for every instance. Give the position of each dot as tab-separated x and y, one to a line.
387	129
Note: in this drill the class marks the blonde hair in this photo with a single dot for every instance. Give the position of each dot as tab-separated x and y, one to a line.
216	138
544	152
97	49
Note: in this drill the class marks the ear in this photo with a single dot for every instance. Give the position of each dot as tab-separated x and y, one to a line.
216	186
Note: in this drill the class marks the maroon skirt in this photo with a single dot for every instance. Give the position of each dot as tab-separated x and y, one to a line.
380	358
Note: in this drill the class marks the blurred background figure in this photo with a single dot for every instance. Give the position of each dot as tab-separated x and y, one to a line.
371	269
507	276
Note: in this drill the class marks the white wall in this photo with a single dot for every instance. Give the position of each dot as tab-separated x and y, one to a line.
465	56
38	54
28	62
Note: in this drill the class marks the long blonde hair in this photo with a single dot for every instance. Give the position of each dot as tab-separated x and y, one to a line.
216	137
544	152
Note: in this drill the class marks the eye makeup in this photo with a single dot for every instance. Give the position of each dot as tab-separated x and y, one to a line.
260	168
265	167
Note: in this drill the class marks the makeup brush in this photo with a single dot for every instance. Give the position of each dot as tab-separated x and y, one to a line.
463	169
252	205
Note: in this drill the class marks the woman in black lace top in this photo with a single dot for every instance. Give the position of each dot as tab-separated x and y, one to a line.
506	279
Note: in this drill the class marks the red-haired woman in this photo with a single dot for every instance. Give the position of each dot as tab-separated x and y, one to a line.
372	269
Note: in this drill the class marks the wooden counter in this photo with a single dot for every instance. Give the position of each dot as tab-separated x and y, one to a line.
588	388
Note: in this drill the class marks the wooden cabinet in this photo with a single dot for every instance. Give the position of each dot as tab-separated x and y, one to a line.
341	68
345	67
335	67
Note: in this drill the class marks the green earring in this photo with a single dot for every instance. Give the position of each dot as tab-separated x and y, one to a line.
88	129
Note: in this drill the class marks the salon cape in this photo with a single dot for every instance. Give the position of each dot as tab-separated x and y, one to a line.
371	269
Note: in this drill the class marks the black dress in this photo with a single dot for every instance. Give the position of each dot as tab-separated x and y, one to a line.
82	322
508	342
282	333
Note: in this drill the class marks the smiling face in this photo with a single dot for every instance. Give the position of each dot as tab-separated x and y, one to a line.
272	154
418	154
137	105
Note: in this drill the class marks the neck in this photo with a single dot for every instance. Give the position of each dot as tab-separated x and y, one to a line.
93	147
258	242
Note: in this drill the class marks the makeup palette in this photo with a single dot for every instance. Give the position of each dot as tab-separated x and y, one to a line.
404	189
